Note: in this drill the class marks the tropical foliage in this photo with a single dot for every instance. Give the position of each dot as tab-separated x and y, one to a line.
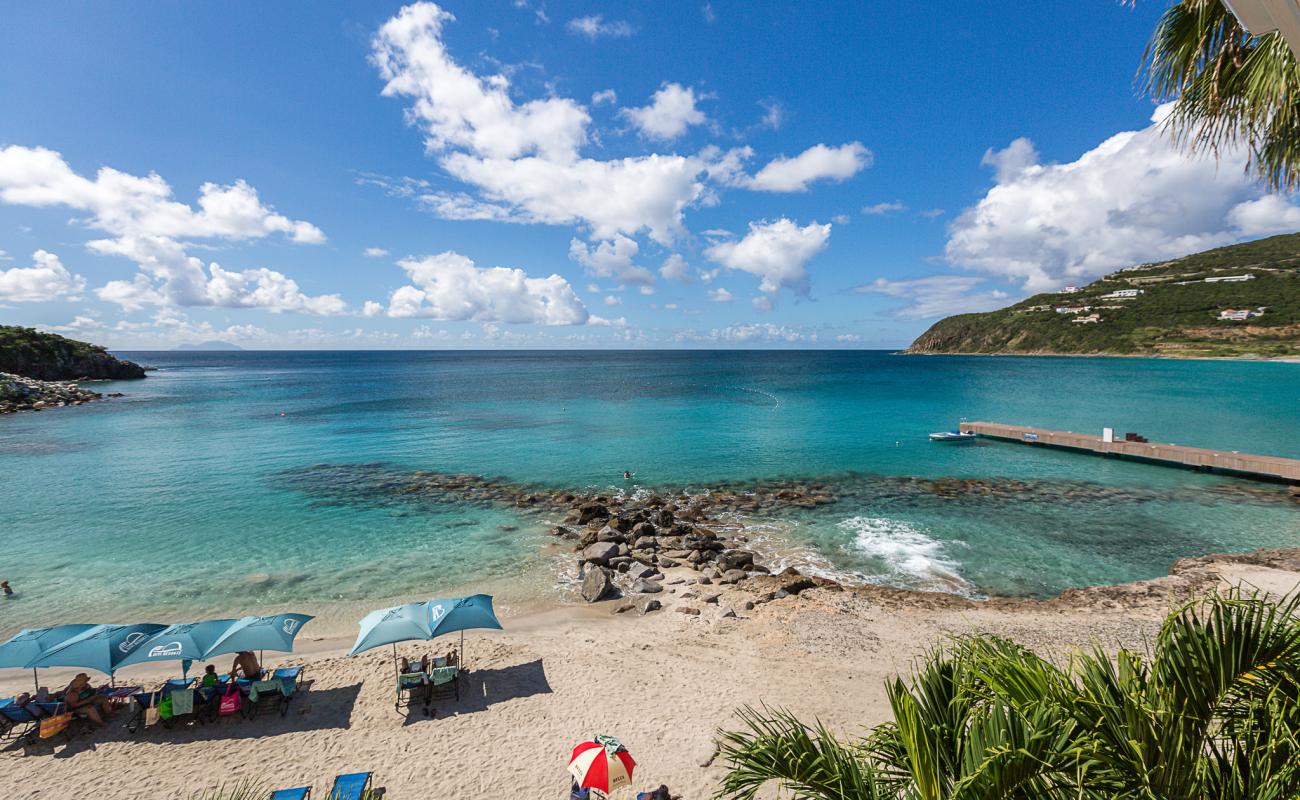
1211	712
1229	87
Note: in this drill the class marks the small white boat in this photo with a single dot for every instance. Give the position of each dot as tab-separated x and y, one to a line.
952	436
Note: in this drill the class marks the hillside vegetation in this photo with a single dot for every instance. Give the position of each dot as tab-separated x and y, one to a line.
50	357
1177	313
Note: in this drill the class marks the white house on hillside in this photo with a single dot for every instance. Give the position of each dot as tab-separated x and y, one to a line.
1118	293
1091	318
1240	314
1265	16
1231	278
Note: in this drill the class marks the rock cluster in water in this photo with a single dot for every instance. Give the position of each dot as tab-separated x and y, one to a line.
626	543
28	394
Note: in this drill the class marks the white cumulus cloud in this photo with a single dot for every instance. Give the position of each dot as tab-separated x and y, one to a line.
1136	197
818	162
460	109
776	252
612	259
670	112
675	268
374	252
147	224
46	279
448	286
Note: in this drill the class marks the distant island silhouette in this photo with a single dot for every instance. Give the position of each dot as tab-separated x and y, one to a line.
213	345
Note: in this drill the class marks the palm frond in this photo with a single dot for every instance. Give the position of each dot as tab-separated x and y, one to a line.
1229	88
811	762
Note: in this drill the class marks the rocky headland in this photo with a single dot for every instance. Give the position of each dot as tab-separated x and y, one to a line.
38	370
50	357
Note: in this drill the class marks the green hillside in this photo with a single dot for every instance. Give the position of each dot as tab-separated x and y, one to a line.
1176	314
50	357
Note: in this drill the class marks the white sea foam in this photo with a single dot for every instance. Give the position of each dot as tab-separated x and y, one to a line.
912	558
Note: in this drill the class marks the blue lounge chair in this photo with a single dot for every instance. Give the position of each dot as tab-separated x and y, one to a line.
351	786
301	793
275	690
412	691
19	721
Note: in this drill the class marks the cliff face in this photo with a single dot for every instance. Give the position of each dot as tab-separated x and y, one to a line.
1236	301
49	357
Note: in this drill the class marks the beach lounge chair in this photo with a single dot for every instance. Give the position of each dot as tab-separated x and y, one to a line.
352	786
444	683
141	702
300	793
19	721
271	693
412	690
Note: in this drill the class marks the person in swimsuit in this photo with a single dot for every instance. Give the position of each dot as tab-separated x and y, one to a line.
82	698
7	589
246	666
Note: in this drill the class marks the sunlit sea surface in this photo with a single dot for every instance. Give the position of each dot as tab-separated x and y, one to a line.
213	486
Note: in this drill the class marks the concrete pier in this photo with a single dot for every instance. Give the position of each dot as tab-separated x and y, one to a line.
1270	468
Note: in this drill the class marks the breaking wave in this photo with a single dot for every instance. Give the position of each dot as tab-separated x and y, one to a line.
912	558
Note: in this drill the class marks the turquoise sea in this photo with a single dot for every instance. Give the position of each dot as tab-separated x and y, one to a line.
234	482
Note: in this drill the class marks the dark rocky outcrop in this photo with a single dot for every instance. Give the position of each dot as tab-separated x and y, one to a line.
49	357
27	394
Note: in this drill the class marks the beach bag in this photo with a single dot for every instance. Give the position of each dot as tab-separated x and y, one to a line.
53	726
165	708
231	701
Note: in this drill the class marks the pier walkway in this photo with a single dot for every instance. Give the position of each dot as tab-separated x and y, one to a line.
1272	468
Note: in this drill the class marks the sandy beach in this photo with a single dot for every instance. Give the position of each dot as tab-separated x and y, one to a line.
663	683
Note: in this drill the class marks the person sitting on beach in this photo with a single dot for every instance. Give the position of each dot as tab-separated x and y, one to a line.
246	666
577	792
210	677
81	697
657	794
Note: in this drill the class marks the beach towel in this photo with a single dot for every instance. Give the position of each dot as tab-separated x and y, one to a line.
55	725
261	687
182	702
231	701
440	675
165	708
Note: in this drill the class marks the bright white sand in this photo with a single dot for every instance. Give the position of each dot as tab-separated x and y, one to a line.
662	683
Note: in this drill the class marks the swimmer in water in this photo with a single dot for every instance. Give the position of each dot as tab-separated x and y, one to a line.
627	476
7	589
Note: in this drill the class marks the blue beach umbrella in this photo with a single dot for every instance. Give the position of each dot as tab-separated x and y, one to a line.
185	642
425	620
271	632
462	614
100	648
32	643
391	625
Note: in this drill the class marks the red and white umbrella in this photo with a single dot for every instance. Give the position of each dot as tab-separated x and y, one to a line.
604	765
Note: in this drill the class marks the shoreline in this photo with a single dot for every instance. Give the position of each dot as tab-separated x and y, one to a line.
1161	356
664	684
1187	577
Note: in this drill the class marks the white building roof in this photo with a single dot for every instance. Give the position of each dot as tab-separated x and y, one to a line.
1265	16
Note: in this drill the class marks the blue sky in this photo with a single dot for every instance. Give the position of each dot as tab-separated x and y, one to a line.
513	173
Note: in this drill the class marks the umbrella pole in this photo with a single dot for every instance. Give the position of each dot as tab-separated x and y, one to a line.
397	673
462	648
35	681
